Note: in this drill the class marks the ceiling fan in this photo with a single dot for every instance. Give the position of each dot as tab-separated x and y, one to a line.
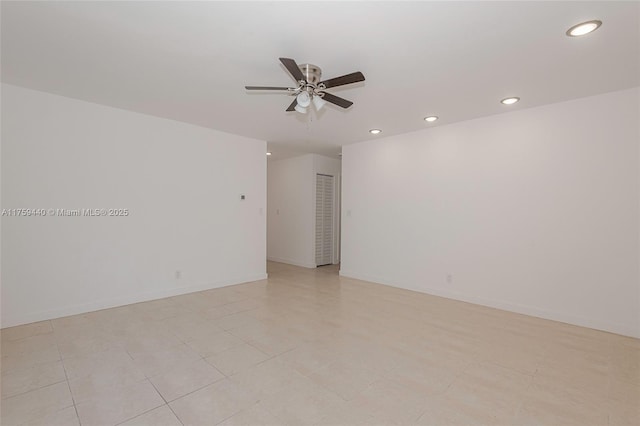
310	89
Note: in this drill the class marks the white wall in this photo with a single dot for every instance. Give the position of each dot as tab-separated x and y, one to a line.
291	187
181	184
534	211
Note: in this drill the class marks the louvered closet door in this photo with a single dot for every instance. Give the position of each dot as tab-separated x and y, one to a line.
324	220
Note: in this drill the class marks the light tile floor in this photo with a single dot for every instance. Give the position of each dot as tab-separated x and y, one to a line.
310	347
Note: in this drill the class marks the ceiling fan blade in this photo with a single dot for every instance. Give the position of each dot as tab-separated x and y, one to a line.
354	77
265	88
293	69
337	100
292	107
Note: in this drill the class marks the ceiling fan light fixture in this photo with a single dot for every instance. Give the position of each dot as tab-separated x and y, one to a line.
300	109
318	102
304	100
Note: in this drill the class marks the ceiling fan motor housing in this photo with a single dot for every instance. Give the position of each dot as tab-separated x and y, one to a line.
312	73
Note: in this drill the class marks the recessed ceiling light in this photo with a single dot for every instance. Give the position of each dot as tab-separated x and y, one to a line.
510	101
375	131
431	118
584	28
268	153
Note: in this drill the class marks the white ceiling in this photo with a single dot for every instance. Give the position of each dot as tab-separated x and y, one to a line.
189	61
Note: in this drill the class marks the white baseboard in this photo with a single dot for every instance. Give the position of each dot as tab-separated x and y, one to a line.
292	262
597	324
27	318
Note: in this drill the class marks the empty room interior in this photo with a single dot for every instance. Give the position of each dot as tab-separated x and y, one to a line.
320	213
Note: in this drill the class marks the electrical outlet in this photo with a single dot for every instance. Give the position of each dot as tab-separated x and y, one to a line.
449	278
178	274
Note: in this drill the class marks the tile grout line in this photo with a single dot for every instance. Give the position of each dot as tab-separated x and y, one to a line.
75	407
257	348
41	387
138	415
36	389
195	390
233	415
165	401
